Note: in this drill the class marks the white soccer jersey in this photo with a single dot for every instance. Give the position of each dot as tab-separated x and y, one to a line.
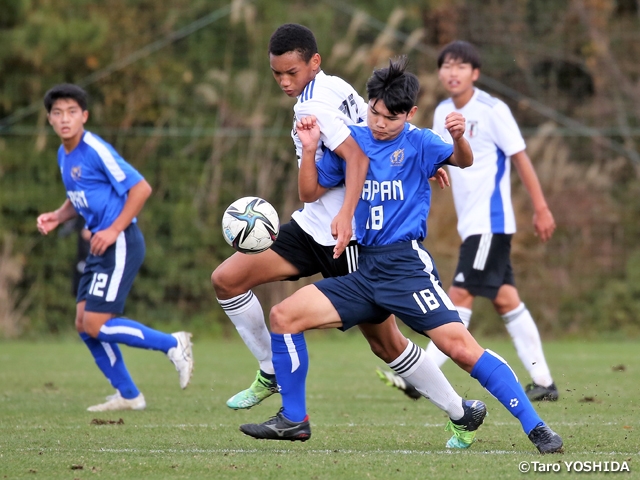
482	192
335	104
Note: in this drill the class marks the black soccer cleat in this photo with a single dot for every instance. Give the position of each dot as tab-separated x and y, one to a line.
396	381
474	413
464	429
278	428
546	440
537	393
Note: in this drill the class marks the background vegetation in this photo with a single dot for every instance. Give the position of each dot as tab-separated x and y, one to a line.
183	90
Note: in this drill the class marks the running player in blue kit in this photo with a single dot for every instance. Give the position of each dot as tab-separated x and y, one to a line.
108	193
396	274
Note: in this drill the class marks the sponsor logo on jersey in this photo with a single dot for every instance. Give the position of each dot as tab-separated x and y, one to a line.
397	157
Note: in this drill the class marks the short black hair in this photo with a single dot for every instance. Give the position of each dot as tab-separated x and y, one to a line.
292	37
67	91
396	87
462	51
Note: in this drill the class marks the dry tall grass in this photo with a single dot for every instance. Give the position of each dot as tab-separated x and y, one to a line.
12	320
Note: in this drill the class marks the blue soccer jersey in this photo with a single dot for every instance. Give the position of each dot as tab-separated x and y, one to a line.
97	180
396	195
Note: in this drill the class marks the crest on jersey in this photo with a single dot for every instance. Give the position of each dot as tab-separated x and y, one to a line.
397	157
472	128
76	173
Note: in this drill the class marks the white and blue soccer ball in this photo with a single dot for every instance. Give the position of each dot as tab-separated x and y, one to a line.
250	225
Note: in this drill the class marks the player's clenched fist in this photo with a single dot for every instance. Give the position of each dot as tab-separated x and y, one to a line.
308	131
455	123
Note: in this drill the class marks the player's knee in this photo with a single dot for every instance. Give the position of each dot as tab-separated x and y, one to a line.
90	327
280	320
222	284
79	325
460	297
217	279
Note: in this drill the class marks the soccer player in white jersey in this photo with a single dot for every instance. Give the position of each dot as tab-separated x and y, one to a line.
307	245
108	193
486	222
395	275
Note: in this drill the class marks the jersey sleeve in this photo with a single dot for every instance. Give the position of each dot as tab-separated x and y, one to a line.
121	174
331	170
437	151
333	130
505	131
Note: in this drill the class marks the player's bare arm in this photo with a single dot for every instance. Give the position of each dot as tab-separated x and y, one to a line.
543	221
308	132
355	175
462	155
137	196
49	221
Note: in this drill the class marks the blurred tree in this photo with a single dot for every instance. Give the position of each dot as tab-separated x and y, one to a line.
184	91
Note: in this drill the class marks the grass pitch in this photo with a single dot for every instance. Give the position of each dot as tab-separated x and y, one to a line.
361	428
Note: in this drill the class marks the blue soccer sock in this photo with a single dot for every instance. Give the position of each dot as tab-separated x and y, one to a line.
496	376
135	334
110	362
291	363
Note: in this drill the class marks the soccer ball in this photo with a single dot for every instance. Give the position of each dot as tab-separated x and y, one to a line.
250	225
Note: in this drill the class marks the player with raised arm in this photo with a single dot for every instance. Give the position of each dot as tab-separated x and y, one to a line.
395	274
307	245
108	193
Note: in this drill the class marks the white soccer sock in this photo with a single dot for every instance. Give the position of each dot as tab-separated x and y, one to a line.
526	339
420	371
434	352
246	314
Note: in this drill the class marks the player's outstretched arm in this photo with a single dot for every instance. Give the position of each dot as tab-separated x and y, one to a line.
136	198
543	221
355	175
49	221
308	132
462	155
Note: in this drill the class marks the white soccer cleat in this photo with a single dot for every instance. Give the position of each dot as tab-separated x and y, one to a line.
113	396
117	402
182	357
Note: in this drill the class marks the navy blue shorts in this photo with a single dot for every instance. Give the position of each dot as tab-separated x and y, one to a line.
107	279
400	279
310	258
484	264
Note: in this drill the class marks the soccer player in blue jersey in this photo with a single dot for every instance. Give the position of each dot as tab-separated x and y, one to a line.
395	274
108	193
307	245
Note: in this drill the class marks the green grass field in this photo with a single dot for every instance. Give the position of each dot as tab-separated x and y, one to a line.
361	428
